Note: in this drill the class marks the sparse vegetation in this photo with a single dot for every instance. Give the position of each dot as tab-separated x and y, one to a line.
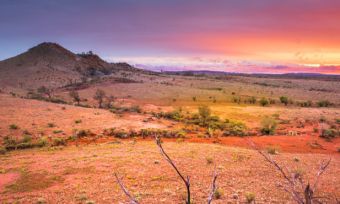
99	96
13	127
268	126
250	197
264	102
75	96
284	100
324	103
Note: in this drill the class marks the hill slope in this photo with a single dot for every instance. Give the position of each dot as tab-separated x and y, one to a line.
51	65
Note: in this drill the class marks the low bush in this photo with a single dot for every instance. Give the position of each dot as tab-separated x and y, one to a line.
250	197
50	125
264	102
58	142
132	109
329	133
218	194
268	126
234	128
324	103
3	150
13	127
83	133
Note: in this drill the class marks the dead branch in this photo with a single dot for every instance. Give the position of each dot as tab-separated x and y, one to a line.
185	180
296	180
213	187
124	189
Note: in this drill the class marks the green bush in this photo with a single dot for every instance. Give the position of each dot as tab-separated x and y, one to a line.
42	142
13	127
234	128
57	131
268	126
83	133
58	142
329	133
9	142
284	100
324	103
264	102
3	150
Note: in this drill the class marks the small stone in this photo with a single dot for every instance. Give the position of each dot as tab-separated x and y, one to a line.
235	196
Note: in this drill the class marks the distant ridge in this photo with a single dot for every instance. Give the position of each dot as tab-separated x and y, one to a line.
285	75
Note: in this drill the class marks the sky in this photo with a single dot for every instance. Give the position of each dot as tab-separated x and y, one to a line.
266	36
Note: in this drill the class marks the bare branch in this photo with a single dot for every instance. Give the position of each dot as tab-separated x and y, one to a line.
213	186
166	156
306	195
322	169
132	199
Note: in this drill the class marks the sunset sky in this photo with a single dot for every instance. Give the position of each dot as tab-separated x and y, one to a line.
270	36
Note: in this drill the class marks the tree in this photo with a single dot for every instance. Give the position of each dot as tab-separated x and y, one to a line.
99	96
204	113
264	102
45	90
302	192
75	96
186	180
284	100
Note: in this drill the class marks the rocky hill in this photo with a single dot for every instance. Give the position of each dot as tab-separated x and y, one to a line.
51	65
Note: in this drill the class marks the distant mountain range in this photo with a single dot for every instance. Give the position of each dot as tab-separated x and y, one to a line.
286	75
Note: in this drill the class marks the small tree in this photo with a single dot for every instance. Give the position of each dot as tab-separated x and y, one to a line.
284	100
301	191
46	91
268	126
204	113
75	96
99	96
264	102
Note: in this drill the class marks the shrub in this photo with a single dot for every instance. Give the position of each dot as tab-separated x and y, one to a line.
234	128
209	160
204	113
305	104
83	133
268	126
264	102
284	100
99	96
337	120
57	131
3	150
42	142
218	194
251	100
272	150
250	197
27	138
329	133
9	142
50	125
77	121
75	96
58	142
13	127
323	103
